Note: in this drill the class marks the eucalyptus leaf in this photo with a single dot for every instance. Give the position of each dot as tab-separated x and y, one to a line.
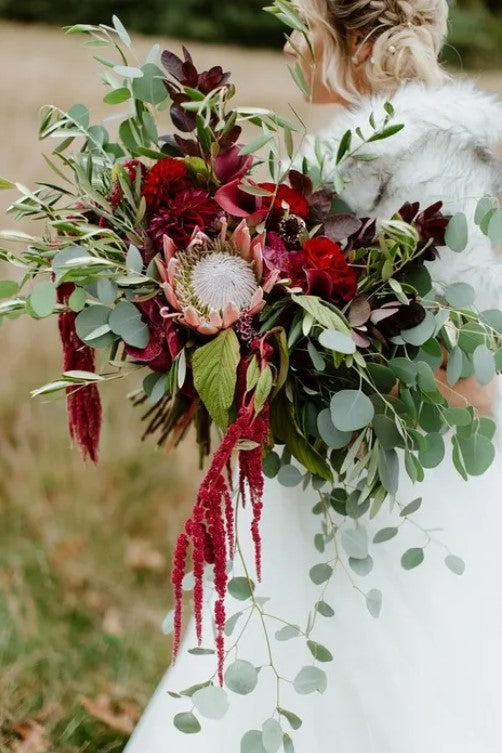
385	534
460	294
340	342
310	680
374	602
187	722
289	476
272	735
211	702
241	588
388	469
455	564
252	742
412	558
241	677
43	298
330	435
484	364
351	410
319	652
361	567
320	573
287	632
292	718
422	332
457	232
355	542
126	322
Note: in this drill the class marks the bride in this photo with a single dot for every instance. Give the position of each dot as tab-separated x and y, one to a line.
426	676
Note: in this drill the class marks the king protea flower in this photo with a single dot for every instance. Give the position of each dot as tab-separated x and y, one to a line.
214	281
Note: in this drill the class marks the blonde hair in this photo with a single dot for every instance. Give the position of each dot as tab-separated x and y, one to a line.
407	37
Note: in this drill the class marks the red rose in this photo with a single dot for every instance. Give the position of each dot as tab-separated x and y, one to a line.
329	275
320	251
284	194
167	177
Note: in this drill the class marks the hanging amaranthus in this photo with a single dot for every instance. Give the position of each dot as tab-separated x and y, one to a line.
83	403
210	529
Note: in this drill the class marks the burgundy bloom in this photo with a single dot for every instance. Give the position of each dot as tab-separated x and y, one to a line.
430	224
290	263
164	344
83	403
166	178
329	276
181	214
285	195
230	165
239	203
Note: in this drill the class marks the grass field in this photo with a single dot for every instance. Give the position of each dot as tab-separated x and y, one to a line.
84	551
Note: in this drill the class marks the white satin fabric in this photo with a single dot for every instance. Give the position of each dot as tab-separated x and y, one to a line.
425	677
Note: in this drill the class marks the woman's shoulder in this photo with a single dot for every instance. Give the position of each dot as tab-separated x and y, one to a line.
445	150
458	109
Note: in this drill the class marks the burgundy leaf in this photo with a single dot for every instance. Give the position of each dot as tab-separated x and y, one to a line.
341	226
172	64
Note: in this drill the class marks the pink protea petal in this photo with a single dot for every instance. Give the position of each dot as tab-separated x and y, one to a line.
170	295
256	299
230	314
215	319
224	228
271	280
191	316
207	329
172	269
242	240
162	269
169	247
198	238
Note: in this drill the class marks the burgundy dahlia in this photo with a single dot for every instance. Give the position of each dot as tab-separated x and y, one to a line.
179	215
164	180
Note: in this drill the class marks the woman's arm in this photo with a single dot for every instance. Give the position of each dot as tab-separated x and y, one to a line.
467	392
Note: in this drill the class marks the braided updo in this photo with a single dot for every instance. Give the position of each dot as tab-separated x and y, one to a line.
407	36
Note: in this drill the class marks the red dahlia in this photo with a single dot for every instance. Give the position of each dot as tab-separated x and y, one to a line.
180	215
166	178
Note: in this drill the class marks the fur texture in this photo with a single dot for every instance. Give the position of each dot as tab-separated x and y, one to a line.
447	152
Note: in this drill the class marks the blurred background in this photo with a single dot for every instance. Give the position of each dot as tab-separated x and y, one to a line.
84	551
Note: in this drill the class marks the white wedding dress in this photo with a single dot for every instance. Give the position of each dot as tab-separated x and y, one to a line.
426	676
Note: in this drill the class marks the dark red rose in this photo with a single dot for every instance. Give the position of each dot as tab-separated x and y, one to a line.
291	263
329	276
165	179
180	215
320	251
164	344
284	194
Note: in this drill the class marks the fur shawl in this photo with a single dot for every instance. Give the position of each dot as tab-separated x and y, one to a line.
447	152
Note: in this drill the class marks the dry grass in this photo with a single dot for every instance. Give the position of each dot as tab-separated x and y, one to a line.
84	551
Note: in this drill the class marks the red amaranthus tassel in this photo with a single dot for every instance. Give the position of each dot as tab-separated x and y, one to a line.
210	528
83	403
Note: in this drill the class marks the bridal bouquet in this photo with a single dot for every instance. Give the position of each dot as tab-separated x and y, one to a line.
255	305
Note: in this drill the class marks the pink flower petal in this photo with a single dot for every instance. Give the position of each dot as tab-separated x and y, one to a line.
242	240
215	319
271	280
230	314
169	247
381	314
207	329
256	299
170	295
191	316
162	268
